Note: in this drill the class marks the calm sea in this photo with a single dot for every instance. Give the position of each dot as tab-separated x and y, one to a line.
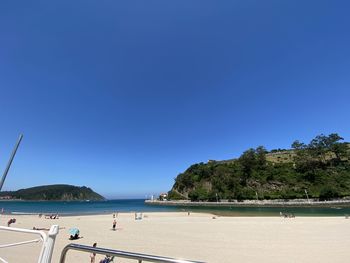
138	205
79	207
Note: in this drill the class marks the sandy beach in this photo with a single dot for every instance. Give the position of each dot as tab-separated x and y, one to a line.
197	236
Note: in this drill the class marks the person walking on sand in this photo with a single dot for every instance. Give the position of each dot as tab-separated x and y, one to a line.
93	255
114	224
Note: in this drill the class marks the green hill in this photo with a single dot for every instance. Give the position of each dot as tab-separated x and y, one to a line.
321	167
54	192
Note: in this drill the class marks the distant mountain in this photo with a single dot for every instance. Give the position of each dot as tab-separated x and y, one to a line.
54	192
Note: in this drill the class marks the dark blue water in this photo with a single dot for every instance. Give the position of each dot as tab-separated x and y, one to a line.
80	207
138	205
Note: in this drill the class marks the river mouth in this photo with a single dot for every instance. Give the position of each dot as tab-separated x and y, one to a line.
139	205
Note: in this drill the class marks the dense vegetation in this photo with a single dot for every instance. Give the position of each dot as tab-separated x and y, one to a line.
54	192
321	167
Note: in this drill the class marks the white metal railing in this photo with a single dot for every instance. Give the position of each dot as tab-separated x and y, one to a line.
47	239
122	254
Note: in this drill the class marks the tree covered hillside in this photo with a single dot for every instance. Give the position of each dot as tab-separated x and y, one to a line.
55	192
321	167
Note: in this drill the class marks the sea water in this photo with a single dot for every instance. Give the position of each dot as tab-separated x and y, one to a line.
138	205
78	207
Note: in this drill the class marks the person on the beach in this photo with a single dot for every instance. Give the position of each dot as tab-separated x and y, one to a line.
40	228
114	224
93	255
12	220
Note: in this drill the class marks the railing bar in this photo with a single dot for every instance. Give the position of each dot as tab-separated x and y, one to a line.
118	253
29	231
21	243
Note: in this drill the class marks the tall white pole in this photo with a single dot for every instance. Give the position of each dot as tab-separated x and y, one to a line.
10	161
307	196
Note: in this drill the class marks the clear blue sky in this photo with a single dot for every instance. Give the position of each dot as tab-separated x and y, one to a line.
122	96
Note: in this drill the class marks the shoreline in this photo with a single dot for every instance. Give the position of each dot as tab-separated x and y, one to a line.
302	203
232	209
93	214
218	213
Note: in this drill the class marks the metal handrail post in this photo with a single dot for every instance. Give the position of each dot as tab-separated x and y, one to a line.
47	250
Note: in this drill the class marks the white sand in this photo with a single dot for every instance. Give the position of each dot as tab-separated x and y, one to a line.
194	237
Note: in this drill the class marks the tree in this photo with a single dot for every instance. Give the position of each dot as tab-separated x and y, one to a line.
302	159
318	147
296	145
327	193
261	156
199	194
248	162
332	139
339	149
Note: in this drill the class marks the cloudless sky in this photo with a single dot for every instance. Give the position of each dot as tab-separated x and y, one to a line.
122	96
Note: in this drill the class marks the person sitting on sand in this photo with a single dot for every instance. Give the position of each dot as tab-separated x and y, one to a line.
107	259
12	220
54	216
138	216
49	216
74	237
40	228
93	255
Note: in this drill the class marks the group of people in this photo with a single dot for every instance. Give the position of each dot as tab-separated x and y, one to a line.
286	215
107	258
52	216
